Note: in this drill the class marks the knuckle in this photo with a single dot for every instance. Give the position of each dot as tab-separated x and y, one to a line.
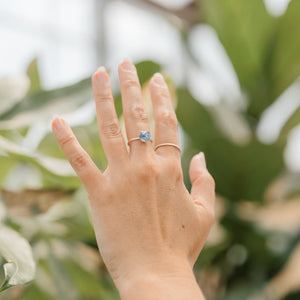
173	170
211	217
111	129
69	139
138	112
130	83
210	180
163	92
205	176
168	118
100	98
147	171
79	160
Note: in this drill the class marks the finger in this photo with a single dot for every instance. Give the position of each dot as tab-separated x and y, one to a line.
81	162
203	186
165	118
109	128
135	115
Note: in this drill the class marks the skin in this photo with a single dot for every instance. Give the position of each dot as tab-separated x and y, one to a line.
149	228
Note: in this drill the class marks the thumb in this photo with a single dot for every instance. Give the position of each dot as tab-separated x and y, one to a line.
203	185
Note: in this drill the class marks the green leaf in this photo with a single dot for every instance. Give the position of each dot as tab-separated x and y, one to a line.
34	76
34	292
68	219
237	130
64	287
146	69
240	171
10	269
12	91
6	164
57	170
196	119
244	29
88	284
20	266
44	104
285	68
243	172
3	211
88	137
291	123
243	290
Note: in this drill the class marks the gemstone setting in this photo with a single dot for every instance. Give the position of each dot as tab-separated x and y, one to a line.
145	136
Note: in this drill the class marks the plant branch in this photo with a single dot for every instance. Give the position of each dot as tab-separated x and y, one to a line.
188	15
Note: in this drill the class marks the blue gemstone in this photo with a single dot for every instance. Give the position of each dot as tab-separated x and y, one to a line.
145	136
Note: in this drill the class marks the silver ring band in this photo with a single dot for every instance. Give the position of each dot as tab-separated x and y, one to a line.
167	144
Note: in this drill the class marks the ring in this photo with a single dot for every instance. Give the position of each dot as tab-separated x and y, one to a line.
167	144
144	137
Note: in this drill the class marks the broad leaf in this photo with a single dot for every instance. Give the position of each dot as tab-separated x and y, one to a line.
12	91
34	292
287	281
88	137
65	290
54	169
44	104
244	29
67	219
6	164
240	171
90	285
146	69
196	120
285	68
237	130
292	122
20	266
244	172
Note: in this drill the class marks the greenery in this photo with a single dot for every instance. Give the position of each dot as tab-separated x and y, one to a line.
253	252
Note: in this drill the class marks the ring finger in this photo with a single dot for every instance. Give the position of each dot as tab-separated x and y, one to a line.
165	118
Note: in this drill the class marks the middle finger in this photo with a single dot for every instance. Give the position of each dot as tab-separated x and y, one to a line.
135	115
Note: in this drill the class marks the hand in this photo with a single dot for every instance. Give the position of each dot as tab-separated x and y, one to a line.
149	228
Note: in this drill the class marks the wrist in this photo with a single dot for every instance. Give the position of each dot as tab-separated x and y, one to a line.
172	280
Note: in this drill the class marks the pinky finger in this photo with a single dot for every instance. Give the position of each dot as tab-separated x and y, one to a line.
80	161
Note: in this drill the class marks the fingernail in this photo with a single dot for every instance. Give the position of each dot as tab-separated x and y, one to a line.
101	76
201	158
101	69
127	65
54	117
159	79
57	123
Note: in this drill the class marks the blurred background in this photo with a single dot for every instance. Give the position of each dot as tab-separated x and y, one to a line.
233	69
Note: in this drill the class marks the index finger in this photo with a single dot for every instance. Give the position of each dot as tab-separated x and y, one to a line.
80	161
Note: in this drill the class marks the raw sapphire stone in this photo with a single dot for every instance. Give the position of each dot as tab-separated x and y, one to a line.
145	136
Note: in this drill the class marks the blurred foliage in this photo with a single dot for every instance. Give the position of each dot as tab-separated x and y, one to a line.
253	250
